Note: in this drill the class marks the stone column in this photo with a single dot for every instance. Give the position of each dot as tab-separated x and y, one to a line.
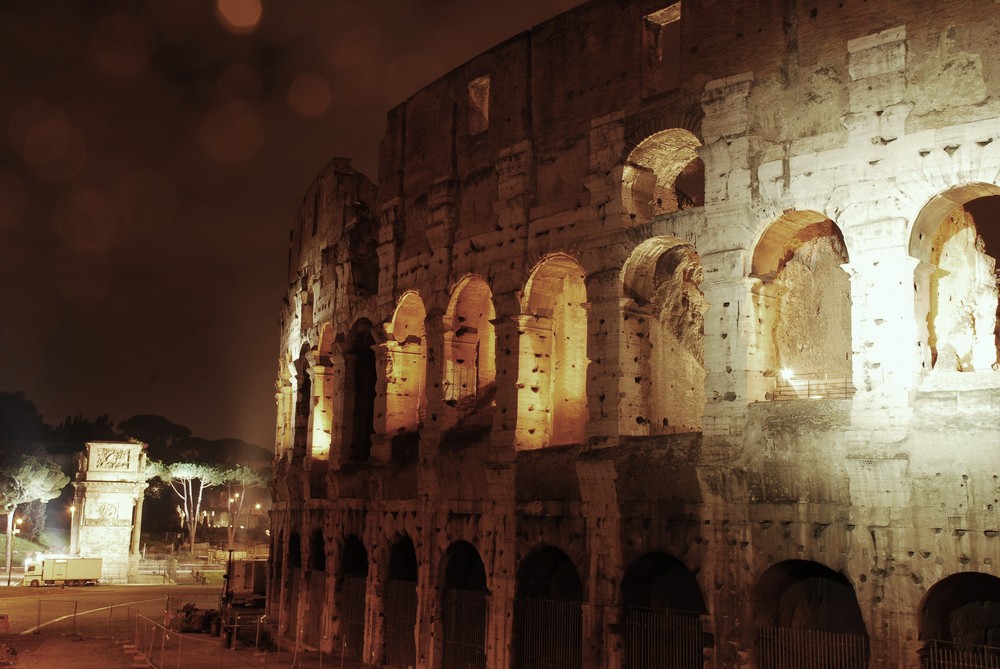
534	382
734	362
503	437
887	352
600	507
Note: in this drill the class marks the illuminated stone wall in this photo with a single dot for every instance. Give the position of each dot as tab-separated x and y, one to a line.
656	310
110	483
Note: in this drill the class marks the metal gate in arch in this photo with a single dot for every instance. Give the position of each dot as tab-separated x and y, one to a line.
787	648
663	639
464	627
400	621
549	634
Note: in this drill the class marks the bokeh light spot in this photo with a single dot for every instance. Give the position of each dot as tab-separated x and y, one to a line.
231	133
85	221
12	200
121	45
239	16
310	95
53	148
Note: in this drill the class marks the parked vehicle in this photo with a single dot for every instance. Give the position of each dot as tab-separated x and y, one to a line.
62	571
247	584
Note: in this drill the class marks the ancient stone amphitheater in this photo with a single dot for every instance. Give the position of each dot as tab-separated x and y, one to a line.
666	337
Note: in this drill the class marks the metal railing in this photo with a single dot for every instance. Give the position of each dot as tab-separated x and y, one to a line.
787	648
813	387
548	634
400	621
464	627
661	639
938	654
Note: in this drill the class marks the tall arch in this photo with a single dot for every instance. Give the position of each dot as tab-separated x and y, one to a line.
663	174
470	341
956	238
802	297
806	612
401	605
553	355
407	351
463	609
359	395
313	628
959	619
350	591
303	402
663	325
548	616
662	607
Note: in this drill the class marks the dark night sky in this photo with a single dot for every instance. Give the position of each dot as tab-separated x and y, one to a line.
151	161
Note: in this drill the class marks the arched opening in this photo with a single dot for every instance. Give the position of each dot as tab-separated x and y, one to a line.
303	403
957	238
350	593
401	605
293	575
803	302
662	607
960	622
317	588
359	398
807	615
664	328
407	350
553	356
470	362
548	617
662	175
463	609
277	555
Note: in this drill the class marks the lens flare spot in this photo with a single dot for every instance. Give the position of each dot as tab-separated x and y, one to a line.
310	95
231	133
239	16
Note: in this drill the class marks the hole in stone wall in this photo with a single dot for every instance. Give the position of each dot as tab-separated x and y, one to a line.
360	403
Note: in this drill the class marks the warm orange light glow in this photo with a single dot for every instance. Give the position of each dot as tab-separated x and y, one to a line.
239	16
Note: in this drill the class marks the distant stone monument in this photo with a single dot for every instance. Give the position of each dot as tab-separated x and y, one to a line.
107	507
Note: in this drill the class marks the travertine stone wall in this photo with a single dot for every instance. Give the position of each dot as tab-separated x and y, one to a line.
555	331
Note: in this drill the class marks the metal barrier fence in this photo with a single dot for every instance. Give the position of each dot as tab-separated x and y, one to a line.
464	627
660	639
400	620
548	634
64	617
352	616
947	655
813	387
785	648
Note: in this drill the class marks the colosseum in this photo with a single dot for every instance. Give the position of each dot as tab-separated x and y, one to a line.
666	337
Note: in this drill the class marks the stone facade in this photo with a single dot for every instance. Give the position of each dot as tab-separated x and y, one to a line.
107	507
667	336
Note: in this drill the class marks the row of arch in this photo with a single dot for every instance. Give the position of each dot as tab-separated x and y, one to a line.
804	613
799	291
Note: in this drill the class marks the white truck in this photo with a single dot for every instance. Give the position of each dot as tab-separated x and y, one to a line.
62	570
247	583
